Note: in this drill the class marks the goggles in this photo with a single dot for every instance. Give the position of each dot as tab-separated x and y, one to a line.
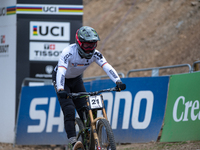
88	47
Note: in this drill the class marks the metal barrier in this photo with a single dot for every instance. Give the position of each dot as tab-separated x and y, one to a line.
100	77
41	82
36	81
195	66
155	71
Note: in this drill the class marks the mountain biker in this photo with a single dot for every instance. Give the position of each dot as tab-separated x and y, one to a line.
67	76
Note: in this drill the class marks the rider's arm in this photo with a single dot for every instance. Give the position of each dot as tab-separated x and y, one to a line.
101	61
111	72
60	77
62	69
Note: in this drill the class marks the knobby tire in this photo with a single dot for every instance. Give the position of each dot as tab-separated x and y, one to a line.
81	127
105	135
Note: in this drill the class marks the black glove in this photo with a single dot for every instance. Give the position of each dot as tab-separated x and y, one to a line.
120	86
62	94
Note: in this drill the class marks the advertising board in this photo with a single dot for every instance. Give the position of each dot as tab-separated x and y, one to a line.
136	114
48	30
182	118
50	9
52	25
8	69
46	51
40	120
44	29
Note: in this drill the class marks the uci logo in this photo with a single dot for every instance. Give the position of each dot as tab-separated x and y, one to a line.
49	9
45	30
56	31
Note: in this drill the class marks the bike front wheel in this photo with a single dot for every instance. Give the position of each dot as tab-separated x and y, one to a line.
105	135
79	129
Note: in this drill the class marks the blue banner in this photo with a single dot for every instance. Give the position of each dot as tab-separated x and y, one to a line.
40	120
135	115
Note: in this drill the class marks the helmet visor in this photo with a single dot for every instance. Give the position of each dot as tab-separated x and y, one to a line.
88	47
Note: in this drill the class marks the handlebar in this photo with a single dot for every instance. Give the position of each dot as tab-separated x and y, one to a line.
83	94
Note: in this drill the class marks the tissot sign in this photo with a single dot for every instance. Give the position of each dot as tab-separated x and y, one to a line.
45	51
55	31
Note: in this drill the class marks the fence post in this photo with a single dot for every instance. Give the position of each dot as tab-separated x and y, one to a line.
196	67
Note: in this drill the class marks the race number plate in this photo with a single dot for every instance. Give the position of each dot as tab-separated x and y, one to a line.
95	102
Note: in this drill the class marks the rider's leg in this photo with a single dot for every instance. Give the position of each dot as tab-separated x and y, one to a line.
80	103
68	109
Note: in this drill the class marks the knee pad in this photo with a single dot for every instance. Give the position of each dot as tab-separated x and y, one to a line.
69	112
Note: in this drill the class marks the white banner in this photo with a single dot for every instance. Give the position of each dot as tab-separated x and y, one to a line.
54	31
45	51
49	9
8	70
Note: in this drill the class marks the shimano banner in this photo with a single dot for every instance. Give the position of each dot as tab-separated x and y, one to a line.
40	120
136	114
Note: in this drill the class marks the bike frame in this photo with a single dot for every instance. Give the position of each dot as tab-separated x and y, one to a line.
90	119
93	121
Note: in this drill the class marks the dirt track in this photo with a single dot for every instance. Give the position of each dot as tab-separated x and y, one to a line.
143	146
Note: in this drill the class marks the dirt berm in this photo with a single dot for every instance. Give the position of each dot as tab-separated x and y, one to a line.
139	34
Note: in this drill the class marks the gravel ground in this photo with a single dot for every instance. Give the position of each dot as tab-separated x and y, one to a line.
142	146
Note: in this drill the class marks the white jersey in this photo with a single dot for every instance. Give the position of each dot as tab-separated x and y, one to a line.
71	65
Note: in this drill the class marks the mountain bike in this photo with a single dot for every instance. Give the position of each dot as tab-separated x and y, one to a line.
94	132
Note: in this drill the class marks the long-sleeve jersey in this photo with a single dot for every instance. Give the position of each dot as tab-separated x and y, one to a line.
71	65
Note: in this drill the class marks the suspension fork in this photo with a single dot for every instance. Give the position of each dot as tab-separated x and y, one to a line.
103	110
93	127
93	121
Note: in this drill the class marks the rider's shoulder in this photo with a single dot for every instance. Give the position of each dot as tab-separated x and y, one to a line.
97	52
70	49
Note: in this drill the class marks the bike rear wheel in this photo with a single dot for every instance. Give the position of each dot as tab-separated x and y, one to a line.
105	135
86	135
